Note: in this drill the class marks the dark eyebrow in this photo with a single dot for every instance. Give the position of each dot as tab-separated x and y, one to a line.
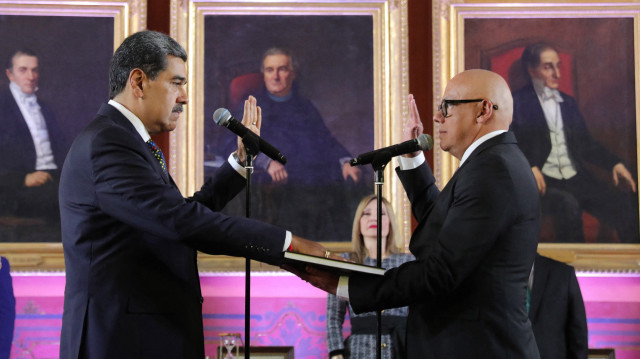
551	63
180	78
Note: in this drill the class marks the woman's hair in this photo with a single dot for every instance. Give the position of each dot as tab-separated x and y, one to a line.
357	242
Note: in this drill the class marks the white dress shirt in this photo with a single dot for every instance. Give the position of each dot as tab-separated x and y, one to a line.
139	126
558	165
32	114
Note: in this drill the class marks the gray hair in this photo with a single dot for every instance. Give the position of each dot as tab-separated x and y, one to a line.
144	50
280	51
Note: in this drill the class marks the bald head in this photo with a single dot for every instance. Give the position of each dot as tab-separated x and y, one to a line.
483	84
475	103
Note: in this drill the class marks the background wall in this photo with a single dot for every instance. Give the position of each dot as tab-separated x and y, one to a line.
295	313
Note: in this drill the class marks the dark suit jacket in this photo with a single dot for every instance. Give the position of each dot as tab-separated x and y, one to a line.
7	309
16	143
534	138
130	241
474	247
557	311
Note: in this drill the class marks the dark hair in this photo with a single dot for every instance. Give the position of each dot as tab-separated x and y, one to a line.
280	51
531	55
144	50
18	52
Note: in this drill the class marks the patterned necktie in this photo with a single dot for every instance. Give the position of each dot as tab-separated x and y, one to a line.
157	153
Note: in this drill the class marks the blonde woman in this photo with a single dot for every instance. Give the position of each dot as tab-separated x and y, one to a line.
362	341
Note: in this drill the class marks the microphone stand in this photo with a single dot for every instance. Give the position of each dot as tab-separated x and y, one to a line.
252	148
380	161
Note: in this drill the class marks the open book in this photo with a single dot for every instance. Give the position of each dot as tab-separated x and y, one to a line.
342	268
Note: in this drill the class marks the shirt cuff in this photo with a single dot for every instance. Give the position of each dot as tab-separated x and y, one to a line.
236	166
344	160
342	292
287	241
407	163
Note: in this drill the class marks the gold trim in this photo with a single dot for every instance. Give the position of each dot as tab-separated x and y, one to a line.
128	16
390	41
448	59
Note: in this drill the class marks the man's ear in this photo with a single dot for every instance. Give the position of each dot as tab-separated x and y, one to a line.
485	112
136	82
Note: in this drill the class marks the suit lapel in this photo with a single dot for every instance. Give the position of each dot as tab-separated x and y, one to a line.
536	114
111	112
503	138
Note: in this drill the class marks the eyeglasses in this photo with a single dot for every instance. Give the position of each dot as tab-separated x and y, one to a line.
444	105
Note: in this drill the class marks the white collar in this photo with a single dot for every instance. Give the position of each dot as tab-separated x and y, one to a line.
477	143
18	94
545	92
135	121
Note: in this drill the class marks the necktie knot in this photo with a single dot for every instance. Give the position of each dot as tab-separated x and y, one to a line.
157	153
31	101
551	94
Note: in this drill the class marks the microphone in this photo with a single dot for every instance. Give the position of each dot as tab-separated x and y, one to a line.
223	117
424	142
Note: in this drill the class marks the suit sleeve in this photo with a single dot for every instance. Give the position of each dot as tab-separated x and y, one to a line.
576	330
582	142
130	190
420	185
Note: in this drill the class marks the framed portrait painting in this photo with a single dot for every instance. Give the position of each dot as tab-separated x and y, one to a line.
596	79
70	44
343	97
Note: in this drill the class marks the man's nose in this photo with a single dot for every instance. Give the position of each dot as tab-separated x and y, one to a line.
556	72
183	98
437	117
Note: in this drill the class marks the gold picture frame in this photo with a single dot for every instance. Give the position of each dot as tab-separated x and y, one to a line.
448	24
390	88
128	16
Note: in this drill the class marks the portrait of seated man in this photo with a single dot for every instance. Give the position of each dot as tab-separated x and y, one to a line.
32	147
315	193
553	135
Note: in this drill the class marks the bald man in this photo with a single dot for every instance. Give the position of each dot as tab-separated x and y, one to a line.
476	239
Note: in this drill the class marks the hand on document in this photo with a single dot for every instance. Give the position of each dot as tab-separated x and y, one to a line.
318	278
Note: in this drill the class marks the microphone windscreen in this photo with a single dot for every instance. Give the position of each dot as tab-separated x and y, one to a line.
221	116
425	142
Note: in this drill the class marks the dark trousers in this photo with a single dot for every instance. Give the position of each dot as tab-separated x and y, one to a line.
566	199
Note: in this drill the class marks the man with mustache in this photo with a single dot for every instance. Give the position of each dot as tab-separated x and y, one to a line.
129	236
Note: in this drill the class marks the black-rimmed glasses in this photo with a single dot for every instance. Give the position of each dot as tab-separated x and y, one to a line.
444	105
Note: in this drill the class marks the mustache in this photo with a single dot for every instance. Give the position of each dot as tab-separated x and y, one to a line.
178	108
